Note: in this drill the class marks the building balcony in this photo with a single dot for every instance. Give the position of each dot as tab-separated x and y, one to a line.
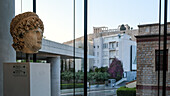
113	48
113	56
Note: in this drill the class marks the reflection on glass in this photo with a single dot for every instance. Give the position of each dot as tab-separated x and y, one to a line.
22	6
122	45
115	49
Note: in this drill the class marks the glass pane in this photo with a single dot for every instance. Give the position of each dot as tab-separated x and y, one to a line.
57	17
23	6
78	48
113	27
79	44
164	82
123	44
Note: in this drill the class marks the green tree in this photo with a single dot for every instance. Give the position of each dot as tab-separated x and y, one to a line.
67	76
106	76
90	77
98	76
104	69
79	76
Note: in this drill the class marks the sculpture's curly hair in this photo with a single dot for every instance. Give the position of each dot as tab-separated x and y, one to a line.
21	24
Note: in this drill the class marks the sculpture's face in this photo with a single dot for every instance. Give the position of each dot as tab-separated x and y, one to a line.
33	39
26	30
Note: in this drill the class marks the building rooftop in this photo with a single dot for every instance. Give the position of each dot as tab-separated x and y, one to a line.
153	24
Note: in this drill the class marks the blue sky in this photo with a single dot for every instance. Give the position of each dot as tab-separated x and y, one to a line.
57	15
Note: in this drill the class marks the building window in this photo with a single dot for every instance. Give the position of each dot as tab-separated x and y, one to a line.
97	46
117	44
105	62
93	46
112	45
97	61
161	59
97	54
105	53
117	53
105	45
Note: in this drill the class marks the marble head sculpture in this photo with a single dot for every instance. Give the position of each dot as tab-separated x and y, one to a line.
27	31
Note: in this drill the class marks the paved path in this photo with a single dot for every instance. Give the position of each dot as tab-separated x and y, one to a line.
109	92
93	91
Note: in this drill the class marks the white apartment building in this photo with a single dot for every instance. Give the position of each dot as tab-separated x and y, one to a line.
105	44
79	43
118	45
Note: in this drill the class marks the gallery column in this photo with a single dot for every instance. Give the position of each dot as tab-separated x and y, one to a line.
55	75
7	53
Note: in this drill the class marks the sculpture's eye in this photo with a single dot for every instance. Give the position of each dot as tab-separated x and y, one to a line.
37	31
21	35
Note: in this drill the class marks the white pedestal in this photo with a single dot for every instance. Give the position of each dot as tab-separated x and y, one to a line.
27	79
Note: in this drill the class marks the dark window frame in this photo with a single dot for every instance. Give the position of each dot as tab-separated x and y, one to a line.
161	60
117	45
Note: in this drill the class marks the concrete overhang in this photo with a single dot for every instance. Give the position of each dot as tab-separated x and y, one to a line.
54	49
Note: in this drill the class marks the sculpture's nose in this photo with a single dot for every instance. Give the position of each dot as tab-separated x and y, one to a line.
39	34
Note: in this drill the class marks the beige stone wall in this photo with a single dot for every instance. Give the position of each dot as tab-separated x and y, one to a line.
146	63
147	92
151	29
147	77
146	74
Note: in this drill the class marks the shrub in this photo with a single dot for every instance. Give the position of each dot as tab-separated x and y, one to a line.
67	76
91	70
90	76
98	76
101	77
79	76
102	69
97	70
71	86
123	91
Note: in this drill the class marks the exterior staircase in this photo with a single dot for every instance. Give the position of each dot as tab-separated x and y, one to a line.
120	81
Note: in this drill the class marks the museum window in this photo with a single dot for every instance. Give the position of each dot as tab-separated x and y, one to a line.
66	23
161	60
